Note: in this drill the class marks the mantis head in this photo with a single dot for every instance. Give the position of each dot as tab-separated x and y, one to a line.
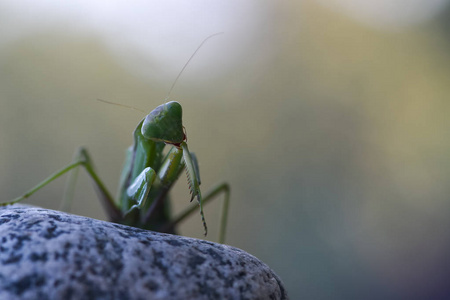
164	124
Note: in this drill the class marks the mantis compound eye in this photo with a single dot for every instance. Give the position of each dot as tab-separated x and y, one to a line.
164	124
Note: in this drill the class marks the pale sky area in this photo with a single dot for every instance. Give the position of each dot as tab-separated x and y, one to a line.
146	33
152	37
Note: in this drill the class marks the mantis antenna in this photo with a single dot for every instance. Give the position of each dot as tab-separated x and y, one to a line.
174	82
189	60
122	105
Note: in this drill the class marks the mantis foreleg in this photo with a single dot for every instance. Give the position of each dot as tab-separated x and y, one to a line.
140	188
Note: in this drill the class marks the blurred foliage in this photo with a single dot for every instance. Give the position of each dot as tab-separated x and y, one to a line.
336	147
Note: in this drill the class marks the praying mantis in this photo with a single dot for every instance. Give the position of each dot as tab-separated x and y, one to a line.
148	174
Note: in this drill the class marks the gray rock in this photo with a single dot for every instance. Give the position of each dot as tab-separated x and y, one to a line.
46	254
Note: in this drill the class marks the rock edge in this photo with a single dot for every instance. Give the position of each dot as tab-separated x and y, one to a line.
47	254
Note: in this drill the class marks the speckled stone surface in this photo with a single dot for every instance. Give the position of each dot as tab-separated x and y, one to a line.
46	254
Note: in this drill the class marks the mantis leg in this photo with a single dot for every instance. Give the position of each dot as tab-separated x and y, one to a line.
69	189
140	188
222	188
84	160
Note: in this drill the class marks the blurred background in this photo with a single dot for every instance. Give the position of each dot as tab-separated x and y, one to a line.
329	119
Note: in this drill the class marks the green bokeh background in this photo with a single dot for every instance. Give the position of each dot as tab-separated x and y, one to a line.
336	146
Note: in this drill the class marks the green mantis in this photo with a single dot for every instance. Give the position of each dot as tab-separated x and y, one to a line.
148	175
